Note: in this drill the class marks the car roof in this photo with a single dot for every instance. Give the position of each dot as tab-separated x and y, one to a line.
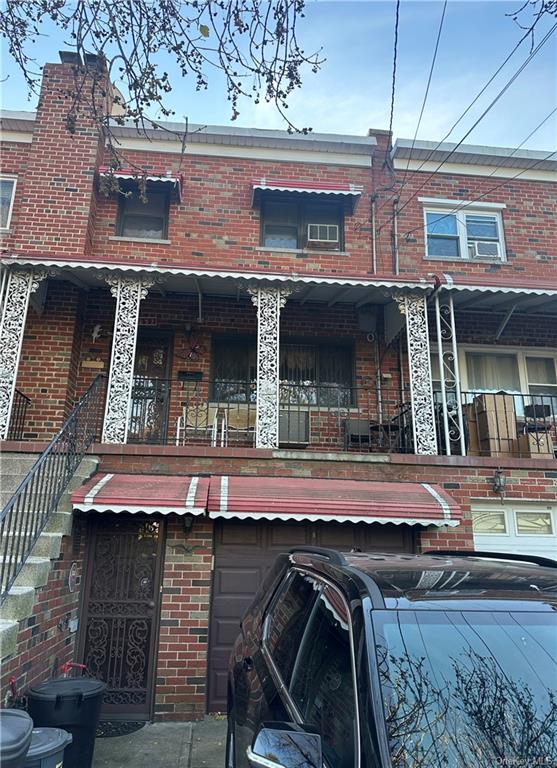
442	581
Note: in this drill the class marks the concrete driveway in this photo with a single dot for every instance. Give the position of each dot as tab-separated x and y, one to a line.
166	745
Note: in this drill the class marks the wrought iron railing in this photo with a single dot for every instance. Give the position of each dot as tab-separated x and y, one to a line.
20	404
223	413
499	424
27	512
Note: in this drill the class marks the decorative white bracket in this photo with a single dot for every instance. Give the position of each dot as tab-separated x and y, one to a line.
18	286
269	301
414	307
128	292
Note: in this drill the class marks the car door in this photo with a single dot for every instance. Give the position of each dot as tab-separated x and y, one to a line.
269	656
322	687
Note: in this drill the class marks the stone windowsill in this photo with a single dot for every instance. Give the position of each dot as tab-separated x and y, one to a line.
150	240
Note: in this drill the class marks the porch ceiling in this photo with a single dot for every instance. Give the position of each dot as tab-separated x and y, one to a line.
504	301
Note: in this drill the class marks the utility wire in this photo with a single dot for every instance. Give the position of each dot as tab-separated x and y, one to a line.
471	203
426	94
393	87
527	34
476	123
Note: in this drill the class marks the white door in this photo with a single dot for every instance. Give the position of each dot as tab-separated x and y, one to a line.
517	527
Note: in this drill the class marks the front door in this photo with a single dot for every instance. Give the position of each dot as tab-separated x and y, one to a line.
121	610
151	388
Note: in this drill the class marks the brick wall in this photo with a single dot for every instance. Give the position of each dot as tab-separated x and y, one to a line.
184	625
54	201
49	360
44	641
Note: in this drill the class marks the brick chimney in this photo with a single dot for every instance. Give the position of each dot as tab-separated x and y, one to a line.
58	201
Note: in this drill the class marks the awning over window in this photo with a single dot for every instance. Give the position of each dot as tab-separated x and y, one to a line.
286	498
173	183
148	494
351	192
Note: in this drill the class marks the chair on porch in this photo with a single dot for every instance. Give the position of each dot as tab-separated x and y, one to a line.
200	421
240	425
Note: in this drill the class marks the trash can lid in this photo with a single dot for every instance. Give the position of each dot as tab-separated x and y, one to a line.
48	741
15	733
69	687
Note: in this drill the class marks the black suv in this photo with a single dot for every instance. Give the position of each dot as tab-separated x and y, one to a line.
442	660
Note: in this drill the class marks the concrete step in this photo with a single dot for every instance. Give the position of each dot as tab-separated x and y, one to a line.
8	637
18	604
34	572
17	463
47	545
59	522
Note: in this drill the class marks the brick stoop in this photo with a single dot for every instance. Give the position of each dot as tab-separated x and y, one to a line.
20	601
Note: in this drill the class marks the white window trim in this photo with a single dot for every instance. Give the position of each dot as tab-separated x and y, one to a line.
8	177
520	354
460	209
516	512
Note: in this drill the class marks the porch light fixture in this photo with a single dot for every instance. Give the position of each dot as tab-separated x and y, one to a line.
498	482
188	524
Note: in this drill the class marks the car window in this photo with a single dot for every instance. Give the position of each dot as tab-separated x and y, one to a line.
286	621
322	685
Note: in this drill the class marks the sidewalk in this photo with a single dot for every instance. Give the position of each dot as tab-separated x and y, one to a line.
166	745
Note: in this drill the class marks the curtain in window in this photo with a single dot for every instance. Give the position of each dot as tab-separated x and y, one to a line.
492	373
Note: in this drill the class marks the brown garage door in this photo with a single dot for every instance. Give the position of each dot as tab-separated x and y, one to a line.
244	551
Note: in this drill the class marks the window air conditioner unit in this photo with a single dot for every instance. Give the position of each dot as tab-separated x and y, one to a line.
293	427
483	249
323	233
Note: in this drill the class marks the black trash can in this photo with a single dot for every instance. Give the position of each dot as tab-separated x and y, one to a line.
15	736
47	748
74	704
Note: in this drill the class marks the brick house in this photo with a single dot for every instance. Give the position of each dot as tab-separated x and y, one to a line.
296	339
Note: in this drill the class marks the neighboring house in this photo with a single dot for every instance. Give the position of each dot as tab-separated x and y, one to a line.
289	356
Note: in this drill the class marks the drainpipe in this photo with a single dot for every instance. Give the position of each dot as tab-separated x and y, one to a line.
395	236
373	236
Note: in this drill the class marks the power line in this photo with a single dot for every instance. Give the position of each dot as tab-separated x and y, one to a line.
393	87
471	203
476	123
527	34
426	94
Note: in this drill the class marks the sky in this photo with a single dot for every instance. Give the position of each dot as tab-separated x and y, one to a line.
351	93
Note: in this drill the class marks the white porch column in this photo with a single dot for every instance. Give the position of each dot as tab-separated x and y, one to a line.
128	292
17	285
269	301
449	374
414	307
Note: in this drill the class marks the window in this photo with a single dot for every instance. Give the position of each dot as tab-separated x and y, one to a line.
534	523
7	193
301	224
286	621
143	220
322	685
310	373
492	372
489	522
463	234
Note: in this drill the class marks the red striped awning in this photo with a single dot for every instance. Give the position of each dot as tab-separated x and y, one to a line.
288	498
348	191
148	494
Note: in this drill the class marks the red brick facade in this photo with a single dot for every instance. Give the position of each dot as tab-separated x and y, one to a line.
60	215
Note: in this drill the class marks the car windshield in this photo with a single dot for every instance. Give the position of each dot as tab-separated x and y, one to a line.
464	689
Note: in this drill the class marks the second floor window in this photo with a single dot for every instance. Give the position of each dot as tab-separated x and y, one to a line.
310	373
297	224
143	220
7	192
464	234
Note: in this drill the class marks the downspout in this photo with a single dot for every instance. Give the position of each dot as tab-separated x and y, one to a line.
396	267
373	236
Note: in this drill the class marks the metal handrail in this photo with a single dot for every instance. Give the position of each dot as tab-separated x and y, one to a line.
37	496
20	405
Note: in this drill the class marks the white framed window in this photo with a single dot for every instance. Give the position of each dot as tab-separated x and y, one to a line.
456	230
7	195
499	369
488	522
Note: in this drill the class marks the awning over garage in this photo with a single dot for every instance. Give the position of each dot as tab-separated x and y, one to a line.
147	494
287	498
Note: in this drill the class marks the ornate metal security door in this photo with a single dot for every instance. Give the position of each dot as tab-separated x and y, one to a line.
121	610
